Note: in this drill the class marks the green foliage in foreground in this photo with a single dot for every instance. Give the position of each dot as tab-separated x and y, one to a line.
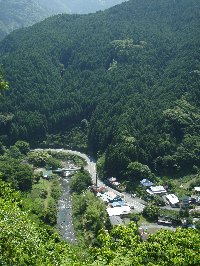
24	242
89	216
122	247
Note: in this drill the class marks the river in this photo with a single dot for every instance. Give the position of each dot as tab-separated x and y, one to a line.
64	215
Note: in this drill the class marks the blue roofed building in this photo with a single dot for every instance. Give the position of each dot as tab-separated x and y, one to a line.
146	183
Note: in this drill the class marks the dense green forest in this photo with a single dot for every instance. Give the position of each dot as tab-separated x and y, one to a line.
128	77
126	83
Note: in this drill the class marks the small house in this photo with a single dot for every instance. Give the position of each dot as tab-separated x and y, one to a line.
173	200
96	189
146	183
115	184
112	179
197	189
116	220
47	174
156	190
194	199
117	211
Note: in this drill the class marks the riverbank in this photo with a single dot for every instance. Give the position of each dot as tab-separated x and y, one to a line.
64	215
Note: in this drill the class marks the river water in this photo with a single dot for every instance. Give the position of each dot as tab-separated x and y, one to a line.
64	215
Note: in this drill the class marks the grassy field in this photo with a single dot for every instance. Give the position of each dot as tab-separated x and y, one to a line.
43	189
42	199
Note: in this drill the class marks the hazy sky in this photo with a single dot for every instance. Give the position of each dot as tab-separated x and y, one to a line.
79	6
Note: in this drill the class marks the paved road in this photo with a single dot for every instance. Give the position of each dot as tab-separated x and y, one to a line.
91	168
156	226
170	208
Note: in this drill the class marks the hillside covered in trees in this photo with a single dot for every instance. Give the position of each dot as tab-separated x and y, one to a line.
128	77
122	84
16	14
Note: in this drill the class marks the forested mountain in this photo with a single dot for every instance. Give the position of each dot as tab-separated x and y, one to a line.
132	72
16	14
78	6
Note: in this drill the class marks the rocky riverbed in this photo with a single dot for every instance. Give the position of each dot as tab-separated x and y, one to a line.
64	215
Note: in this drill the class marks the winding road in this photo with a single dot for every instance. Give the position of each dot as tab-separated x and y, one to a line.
137	203
64	215
91	167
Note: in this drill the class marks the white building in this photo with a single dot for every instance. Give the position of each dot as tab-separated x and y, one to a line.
172	199
156	190
117	211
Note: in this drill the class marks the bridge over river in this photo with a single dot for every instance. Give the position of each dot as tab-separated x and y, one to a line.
64	216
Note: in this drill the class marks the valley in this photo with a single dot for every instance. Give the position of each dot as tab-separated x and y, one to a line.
112	97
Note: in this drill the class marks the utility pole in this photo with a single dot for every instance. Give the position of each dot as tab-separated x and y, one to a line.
96	180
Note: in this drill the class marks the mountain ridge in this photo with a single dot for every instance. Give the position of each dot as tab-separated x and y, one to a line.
120	69
16	14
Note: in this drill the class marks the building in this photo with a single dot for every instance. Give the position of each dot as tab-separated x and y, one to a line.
146	183
118	204
117	211
111	196
112	179
103	197
116	220
115	184
162	221
173	200
47	174
156	190
197	189
194	199
96	189
185	201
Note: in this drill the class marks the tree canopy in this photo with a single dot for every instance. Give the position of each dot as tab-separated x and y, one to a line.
131	72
